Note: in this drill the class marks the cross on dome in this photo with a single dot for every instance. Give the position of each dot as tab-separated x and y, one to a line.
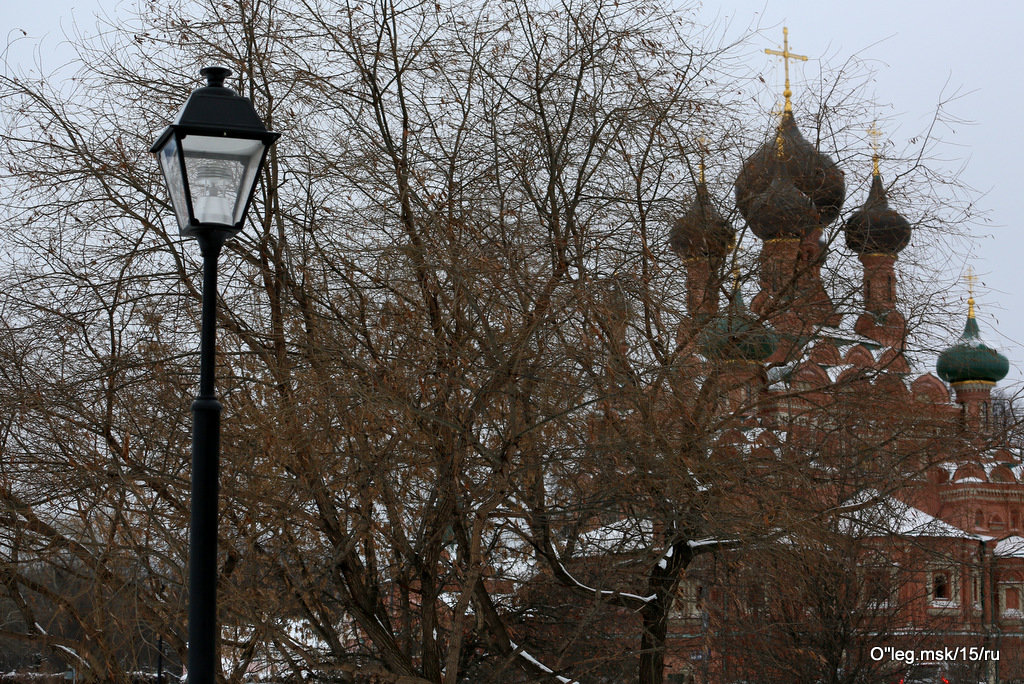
971	281
875	145
786	56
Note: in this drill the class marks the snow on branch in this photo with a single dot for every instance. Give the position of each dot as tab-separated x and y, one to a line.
539	665
604	592
703	543
71	652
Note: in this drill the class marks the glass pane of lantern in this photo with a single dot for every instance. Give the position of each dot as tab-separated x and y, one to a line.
221	173
175	184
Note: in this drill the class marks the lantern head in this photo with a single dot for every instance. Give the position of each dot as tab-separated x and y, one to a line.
211	156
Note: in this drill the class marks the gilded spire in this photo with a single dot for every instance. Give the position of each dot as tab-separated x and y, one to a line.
875	145
777	111
786	56
971	280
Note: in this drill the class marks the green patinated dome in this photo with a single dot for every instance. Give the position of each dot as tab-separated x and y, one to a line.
737	335
970	360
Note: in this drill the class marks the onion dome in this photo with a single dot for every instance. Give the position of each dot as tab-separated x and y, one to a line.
701	231
781	210
970	360
814	174
875	228
737	335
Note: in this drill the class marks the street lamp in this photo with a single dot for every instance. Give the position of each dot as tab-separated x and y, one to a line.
210	158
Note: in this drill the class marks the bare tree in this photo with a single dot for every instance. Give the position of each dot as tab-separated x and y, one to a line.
454	343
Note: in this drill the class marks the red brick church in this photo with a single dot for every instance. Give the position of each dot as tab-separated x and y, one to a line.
929	586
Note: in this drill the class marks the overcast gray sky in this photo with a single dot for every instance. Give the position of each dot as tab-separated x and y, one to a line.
922	52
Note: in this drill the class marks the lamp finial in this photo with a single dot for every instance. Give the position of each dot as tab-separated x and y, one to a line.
215	75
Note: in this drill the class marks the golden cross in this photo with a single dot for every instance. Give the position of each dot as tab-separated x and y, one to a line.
786	55
971	281
875	135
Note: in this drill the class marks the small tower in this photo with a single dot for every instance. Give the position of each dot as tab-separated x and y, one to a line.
702	238
877	234
788	192
973	369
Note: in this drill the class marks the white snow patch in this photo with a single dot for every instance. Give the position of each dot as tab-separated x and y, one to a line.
71	652
628	535
887	515
605	592
1011	547
698	543
539	665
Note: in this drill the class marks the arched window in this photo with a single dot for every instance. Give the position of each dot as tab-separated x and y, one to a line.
943	589
1011	600
979	519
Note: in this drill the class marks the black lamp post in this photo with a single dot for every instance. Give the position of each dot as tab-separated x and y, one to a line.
210	158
